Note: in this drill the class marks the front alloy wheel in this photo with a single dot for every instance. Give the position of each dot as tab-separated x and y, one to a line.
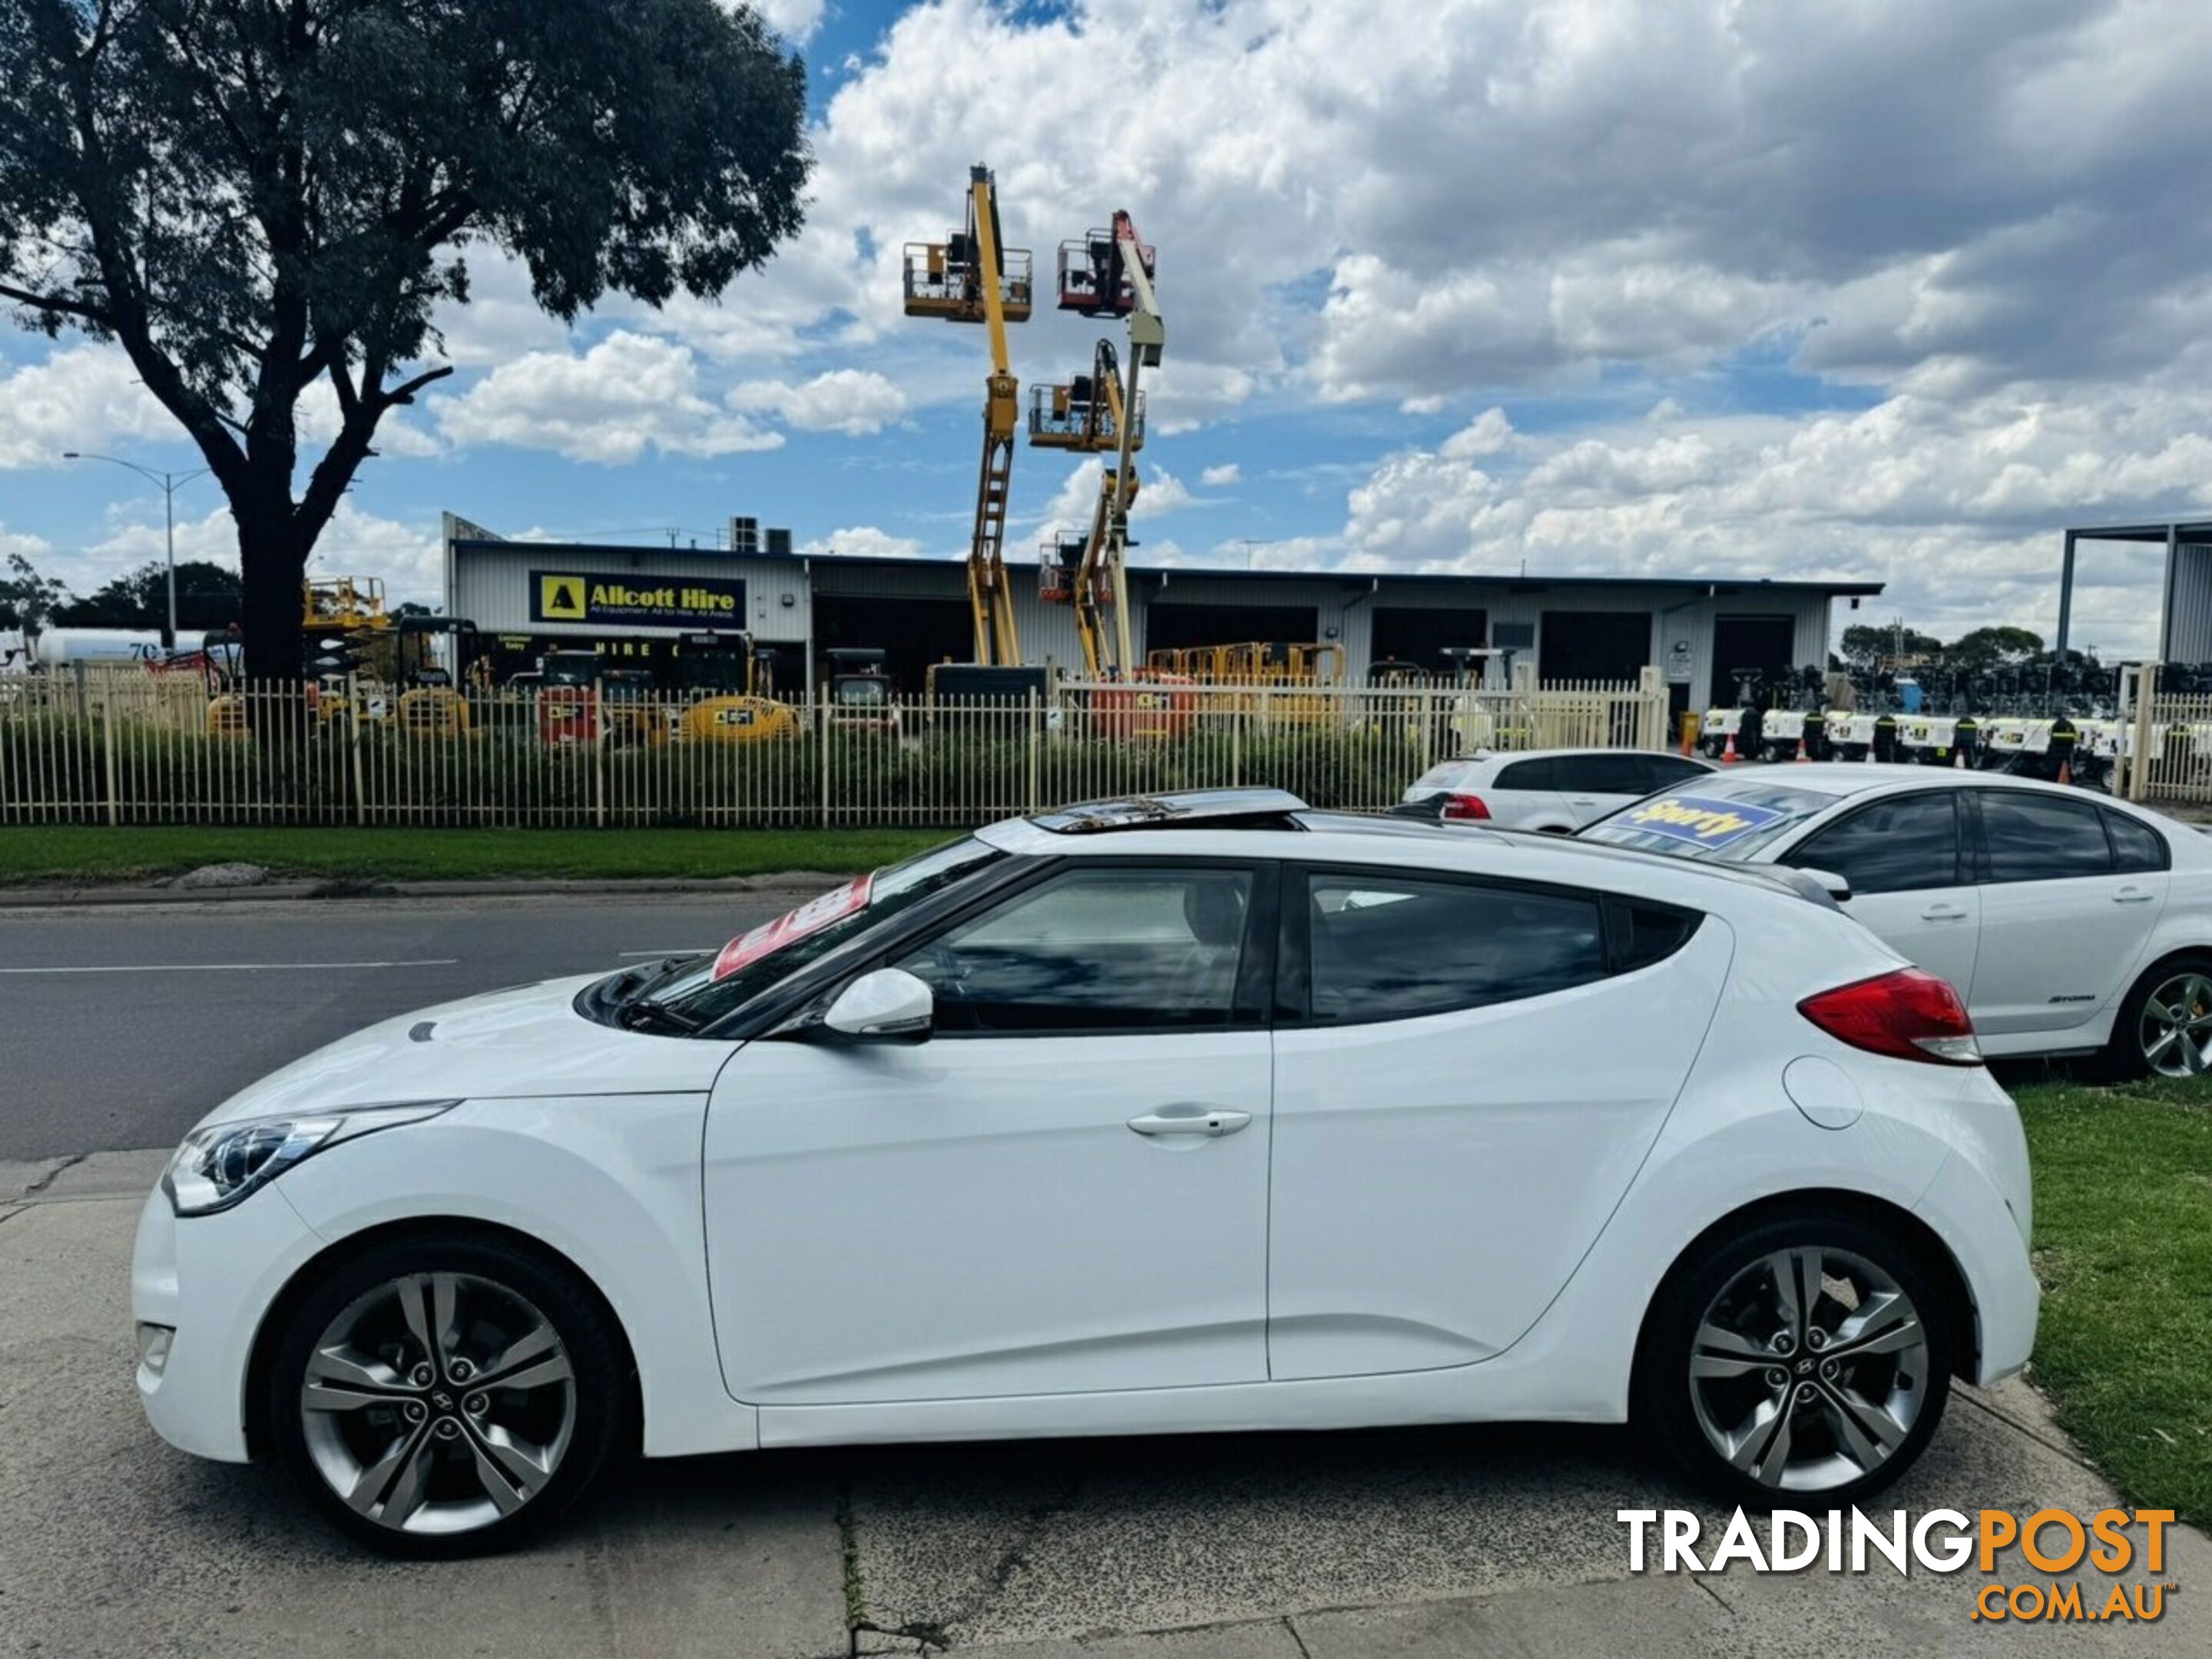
444	1397
1807	1358
438	1402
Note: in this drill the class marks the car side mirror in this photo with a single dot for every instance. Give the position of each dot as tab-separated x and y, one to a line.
1831	883
888	1006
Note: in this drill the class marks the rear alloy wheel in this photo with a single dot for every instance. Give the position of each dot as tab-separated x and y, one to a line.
2171	1028
1804	1361
444	1399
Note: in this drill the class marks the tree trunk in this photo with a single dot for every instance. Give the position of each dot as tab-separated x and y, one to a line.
273	562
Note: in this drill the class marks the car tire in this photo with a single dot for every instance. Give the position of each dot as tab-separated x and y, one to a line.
2127	1055
439	1468
1816	1421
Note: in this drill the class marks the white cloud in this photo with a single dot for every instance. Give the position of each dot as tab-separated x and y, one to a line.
855	402
1159	493
626	395
863	541
1955	506
1488	434
409	559
1221	477
795	19
81	397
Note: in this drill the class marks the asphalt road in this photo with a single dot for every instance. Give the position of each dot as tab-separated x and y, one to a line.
120	1027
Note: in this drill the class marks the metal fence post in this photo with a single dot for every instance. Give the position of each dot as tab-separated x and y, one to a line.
822	741
107	749
598	755
1037	743
353	746
2138	763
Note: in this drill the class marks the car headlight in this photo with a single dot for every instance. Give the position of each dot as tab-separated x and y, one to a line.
218	1165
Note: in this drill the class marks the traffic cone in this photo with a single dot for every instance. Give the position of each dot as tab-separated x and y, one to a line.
2066	770
1729	757
1803	759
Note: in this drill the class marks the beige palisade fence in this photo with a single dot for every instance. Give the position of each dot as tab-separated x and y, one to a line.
124	747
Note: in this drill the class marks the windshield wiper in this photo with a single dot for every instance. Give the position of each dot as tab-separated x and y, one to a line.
637	1015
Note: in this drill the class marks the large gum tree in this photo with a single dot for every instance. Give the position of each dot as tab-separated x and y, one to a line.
250	196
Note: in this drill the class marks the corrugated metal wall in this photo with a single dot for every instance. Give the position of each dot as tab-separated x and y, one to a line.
2187	634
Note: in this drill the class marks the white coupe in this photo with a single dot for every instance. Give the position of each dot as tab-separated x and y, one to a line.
1160	1116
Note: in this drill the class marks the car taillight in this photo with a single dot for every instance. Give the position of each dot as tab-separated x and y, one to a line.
1911	1014
1463	809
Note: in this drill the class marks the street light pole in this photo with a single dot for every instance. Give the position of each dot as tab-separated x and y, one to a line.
169	483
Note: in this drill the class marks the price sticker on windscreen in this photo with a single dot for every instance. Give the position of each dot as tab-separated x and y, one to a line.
811	917
1700	821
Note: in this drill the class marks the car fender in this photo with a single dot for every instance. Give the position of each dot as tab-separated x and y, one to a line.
610	1182
1710	1161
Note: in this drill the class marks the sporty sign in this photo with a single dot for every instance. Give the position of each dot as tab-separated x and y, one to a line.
1178	1113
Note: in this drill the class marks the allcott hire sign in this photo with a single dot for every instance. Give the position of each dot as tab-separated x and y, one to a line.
567	596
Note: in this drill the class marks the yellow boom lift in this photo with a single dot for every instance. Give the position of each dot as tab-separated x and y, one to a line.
974	278
1106	273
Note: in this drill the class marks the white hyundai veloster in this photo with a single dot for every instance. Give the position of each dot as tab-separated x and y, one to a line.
1207	1112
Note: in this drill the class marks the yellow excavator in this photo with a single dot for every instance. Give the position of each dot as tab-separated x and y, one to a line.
974	278
1105	273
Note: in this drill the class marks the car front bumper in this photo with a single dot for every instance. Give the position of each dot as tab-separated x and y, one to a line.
209	1280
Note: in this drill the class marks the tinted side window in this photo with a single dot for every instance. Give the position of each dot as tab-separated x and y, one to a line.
1390	947
1106	950
2042	837
1645	933
1604	775
1529	775
1890	846
1665	771
2135	845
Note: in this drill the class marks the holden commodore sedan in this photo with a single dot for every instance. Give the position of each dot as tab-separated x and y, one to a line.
1169	1114
2070	924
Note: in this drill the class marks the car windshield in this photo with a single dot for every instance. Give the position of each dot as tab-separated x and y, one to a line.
701	989
1727	819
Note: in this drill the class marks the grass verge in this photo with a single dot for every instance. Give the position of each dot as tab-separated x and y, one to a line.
2124	1247
76	855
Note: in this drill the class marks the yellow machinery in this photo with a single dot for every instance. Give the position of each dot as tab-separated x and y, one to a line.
431	702
732	684
1108	273
972	278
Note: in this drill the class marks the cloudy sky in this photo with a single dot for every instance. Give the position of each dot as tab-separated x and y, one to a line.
1866	288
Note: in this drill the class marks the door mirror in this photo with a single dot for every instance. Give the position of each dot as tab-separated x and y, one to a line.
1831	883
888	1006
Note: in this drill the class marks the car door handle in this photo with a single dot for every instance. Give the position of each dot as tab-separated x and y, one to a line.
1580	800
1215	1124
1943	913
2133	895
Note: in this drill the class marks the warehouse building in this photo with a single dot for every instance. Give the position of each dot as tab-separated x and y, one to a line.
635	604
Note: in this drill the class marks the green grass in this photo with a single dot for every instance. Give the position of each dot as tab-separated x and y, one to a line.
2123	1247
76	855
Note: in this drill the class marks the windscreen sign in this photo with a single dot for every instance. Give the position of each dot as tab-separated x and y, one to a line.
811	917
1699	820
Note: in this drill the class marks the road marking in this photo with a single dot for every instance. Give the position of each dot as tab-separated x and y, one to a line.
232	966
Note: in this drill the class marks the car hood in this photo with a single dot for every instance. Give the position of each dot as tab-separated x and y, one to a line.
526	1041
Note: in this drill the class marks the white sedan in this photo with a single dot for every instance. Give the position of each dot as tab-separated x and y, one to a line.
1558	790
2071	923
1169	1114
